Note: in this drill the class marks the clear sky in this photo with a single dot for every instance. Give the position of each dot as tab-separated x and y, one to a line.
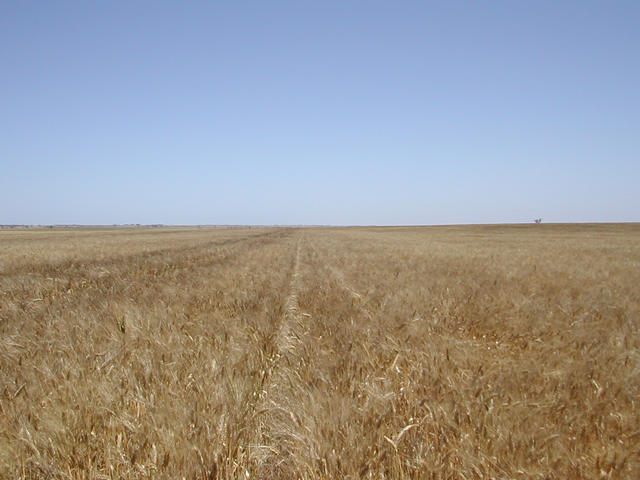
319	112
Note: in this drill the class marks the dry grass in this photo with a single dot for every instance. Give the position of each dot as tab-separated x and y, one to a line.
444	352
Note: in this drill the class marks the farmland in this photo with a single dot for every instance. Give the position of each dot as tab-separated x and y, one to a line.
428	352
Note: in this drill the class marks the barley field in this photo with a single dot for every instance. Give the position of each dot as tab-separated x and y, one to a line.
468	352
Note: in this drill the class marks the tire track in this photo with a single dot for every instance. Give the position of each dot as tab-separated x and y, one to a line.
276	423
286	338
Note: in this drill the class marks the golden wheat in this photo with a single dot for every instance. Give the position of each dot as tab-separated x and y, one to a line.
439	352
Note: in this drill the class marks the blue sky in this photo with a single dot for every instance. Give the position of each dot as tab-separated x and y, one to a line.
319	112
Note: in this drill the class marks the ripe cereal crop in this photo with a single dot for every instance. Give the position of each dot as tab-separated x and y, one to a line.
462	352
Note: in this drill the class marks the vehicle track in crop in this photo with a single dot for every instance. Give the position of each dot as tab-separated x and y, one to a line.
276	423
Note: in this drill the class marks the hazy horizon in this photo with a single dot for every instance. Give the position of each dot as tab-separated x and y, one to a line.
339	113
284	225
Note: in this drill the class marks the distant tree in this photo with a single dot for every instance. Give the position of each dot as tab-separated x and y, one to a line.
537	220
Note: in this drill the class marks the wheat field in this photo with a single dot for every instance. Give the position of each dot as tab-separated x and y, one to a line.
315	353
